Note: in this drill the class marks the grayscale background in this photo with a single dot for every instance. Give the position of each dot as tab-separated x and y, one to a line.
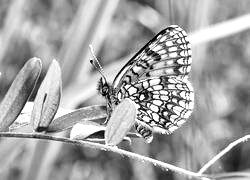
219	33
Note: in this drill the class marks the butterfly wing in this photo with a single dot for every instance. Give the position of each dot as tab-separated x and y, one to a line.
156	80
168	54
163	103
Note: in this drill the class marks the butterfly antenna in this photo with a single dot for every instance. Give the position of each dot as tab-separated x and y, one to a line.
96	63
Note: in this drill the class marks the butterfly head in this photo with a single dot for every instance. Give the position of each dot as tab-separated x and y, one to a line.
103	87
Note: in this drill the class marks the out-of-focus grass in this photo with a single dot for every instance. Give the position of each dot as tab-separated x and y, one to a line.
63	30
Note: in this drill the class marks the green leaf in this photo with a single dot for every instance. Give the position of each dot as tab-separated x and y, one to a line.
66	121
121	121
47	99
22	123
85	129
19	92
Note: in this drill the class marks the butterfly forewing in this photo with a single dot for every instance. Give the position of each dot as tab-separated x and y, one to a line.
168	53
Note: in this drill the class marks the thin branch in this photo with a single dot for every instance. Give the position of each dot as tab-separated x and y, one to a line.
156	163
222	153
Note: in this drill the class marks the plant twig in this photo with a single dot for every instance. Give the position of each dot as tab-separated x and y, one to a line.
156	163
222	153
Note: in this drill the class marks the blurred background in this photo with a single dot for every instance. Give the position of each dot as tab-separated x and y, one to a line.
220	37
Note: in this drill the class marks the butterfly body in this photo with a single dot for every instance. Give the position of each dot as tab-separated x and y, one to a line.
108	92
156	80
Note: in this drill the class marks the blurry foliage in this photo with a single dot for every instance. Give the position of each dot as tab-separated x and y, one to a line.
221	84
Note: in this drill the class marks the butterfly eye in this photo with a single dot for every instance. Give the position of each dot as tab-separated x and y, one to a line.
102	87
105	90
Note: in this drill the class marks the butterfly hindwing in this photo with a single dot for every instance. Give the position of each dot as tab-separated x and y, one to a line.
163	103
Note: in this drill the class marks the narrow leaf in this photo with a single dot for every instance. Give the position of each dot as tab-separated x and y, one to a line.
84	130
19	92
22	123
121	121
47	99
91	131
84	114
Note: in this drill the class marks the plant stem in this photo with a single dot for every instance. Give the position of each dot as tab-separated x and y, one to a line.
156	163
222	153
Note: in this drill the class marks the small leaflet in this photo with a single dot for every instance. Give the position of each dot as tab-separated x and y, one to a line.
121	121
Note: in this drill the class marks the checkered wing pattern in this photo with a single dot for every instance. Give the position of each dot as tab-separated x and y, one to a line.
163	103
168	54
156	80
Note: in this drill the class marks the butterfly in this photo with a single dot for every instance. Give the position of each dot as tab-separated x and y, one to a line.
156	80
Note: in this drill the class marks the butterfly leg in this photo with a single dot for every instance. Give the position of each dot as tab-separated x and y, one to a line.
144	131
110	104
109	111
106	120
